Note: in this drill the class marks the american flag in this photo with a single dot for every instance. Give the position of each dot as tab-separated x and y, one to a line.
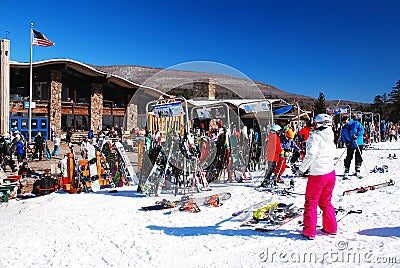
40	40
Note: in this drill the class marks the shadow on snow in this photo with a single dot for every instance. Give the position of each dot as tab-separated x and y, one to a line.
210	230
382	232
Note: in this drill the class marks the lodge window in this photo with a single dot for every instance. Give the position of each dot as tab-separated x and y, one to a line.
65	94
40	92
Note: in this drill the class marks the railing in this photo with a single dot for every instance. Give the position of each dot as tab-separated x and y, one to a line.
17	106
42	107
114	111
74	108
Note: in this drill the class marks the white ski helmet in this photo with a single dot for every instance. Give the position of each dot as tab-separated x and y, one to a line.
323	120
275	128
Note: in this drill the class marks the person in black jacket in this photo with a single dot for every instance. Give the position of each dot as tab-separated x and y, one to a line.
26	170
6	155
39	145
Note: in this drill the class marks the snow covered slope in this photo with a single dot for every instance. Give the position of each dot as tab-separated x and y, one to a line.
108	229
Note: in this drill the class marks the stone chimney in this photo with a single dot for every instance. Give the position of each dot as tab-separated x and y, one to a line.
204	89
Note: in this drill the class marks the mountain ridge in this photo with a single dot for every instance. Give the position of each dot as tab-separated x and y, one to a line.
168	79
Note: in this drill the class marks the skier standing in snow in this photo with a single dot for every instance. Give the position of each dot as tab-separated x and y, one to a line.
272	154
352	136
392	133
287	143
319	160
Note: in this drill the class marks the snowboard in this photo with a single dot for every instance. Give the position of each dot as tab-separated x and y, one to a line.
48	154
151	184
126	165
108	153
165	204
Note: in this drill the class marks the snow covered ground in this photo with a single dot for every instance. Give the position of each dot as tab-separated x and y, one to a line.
108	230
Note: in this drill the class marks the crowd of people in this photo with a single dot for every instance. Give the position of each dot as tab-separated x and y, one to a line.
16	151
14	146
273	146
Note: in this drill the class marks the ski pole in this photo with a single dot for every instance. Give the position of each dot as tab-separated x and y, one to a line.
359	151
359	211
340	157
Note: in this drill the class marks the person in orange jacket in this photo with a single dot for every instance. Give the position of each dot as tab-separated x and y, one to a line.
287	143
273	150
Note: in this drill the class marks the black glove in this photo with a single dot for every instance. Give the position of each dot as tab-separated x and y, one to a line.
347	144
297	171
355	136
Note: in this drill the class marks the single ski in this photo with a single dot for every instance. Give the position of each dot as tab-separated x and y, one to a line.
370	187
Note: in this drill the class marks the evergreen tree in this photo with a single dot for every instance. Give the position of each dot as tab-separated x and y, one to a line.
320	104
394	102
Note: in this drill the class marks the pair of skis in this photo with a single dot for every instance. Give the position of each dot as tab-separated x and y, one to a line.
275	217
272	222
370	187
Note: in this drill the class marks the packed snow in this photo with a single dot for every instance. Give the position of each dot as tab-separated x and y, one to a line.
104	229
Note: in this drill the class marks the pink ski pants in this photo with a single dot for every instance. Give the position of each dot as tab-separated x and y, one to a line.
319	192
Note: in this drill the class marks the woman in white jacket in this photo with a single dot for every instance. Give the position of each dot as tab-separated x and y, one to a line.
319	160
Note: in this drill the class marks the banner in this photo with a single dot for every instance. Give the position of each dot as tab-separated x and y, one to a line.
168	109
218	113
256	107
337	110
204	113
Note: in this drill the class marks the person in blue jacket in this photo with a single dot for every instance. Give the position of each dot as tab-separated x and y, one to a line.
352	136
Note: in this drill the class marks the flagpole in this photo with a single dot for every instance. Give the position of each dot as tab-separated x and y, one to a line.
30	88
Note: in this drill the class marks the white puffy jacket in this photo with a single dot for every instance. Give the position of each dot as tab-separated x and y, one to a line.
320	153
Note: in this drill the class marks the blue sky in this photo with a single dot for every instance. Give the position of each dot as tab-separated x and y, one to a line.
346	49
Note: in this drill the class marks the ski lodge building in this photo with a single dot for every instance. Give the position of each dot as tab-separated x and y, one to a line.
65	93
71	94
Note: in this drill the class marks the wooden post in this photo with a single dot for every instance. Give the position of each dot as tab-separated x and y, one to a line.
140	154
98	165
70	168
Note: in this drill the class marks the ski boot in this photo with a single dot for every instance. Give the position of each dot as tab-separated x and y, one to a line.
266	183
346	175
279	180
375	170
358	171
292	184
385	168
274	180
